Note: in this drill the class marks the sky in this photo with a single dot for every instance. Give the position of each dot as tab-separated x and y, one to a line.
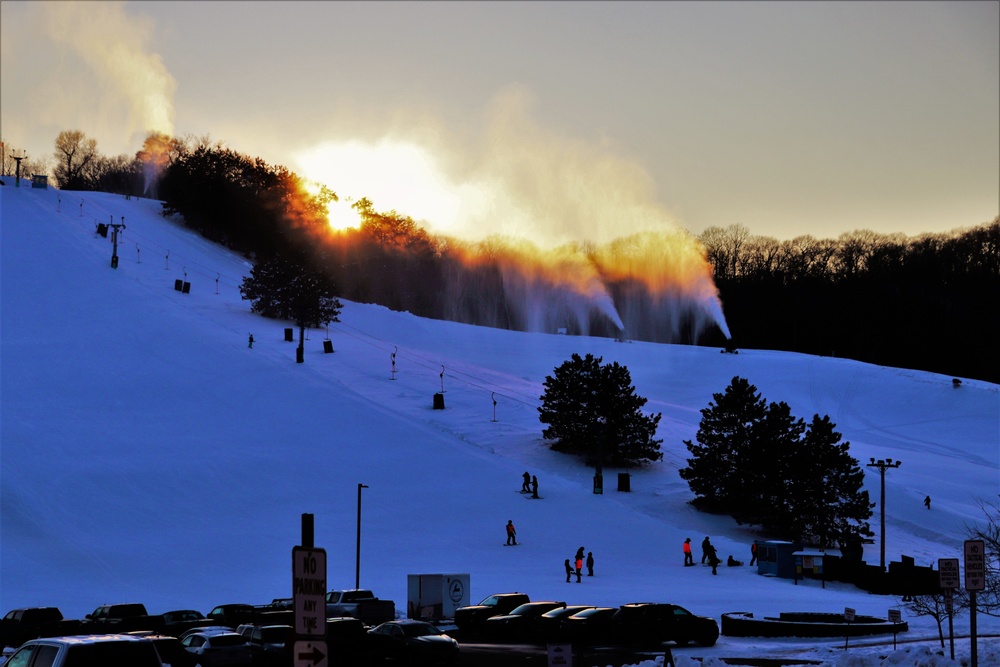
556	121
148	454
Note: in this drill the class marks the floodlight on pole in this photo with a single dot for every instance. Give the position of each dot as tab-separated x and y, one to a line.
357	556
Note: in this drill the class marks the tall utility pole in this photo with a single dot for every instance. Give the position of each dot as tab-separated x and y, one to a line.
357	555
883	465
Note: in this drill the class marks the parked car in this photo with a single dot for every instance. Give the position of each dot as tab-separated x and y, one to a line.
207	628
548	627
110	650
654	623
516	626
213	648
587	626
176	622
19	625
231	615
413	642
172	652
271	644
470	619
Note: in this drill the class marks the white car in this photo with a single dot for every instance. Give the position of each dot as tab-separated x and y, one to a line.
104	650
216	648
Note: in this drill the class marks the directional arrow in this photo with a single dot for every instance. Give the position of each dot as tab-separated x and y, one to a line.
314	656
310	654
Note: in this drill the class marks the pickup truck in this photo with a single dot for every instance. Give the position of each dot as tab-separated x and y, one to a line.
88	650
473	618
19	625
361	604
121	618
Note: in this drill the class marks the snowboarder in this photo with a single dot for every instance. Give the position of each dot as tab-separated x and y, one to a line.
705	547
525	484
569	570
250	341
688	558
753	553
731	562
579	553
579	566
590	563
511	533
534	486
927	502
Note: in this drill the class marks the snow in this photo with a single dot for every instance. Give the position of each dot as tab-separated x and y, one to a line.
149	455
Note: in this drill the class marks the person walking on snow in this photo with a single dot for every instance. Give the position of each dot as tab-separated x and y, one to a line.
525	484
511	533
590	563
688	557
569	570
927	502
713	558
753	553
250	341
705	547
579	566
534	486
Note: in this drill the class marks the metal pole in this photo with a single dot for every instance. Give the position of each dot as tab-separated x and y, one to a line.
357	556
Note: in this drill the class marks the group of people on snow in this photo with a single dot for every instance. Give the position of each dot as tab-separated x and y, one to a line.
530	484
579	561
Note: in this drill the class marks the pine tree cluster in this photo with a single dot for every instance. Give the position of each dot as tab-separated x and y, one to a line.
759	464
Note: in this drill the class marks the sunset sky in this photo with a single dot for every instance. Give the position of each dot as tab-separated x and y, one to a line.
552	120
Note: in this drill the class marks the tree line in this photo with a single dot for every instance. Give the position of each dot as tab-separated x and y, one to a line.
926	302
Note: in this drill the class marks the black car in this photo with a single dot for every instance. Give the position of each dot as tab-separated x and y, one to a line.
548	628
412	642
516	626
589	626
650	623
176	622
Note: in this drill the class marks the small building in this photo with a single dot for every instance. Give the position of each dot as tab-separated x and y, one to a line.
40	181
775	558
434	597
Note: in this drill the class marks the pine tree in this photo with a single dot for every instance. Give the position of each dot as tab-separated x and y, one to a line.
593	411
285	290
725	436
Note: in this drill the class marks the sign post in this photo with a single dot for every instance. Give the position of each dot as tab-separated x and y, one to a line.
975	580
309	604
849	617
949	580
894	617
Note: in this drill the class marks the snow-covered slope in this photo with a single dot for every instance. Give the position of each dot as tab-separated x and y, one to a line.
149	455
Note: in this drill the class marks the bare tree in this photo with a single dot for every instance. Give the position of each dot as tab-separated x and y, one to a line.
988	600
74	153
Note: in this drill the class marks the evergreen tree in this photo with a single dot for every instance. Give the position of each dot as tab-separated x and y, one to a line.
593	411
762	466
724	440
284	290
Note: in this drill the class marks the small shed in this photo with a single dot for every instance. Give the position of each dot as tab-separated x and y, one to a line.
775	558
40	181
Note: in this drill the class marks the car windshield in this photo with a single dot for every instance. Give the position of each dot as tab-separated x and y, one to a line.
419	630
274	635
112	653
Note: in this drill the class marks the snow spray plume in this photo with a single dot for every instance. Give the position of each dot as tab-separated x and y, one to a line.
114	46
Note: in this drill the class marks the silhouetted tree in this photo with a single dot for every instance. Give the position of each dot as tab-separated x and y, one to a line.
74	153
593	411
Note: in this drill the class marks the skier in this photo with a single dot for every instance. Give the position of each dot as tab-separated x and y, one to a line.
250	341
534	486
569	570
688	558
927	502
526	482
753	553
511	533
705	547
590	563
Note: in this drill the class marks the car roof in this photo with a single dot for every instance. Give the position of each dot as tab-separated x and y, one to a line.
75	640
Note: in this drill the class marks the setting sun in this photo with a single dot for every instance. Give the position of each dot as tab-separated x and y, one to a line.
393	175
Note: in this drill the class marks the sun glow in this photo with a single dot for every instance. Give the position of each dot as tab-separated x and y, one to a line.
397	176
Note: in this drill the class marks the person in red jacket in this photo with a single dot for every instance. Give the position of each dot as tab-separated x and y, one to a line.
579	567
688	558
511	533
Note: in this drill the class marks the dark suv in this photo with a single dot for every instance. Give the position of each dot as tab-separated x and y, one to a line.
471	619
644	623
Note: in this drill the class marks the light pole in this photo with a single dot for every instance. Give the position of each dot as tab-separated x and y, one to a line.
357	557
883	465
